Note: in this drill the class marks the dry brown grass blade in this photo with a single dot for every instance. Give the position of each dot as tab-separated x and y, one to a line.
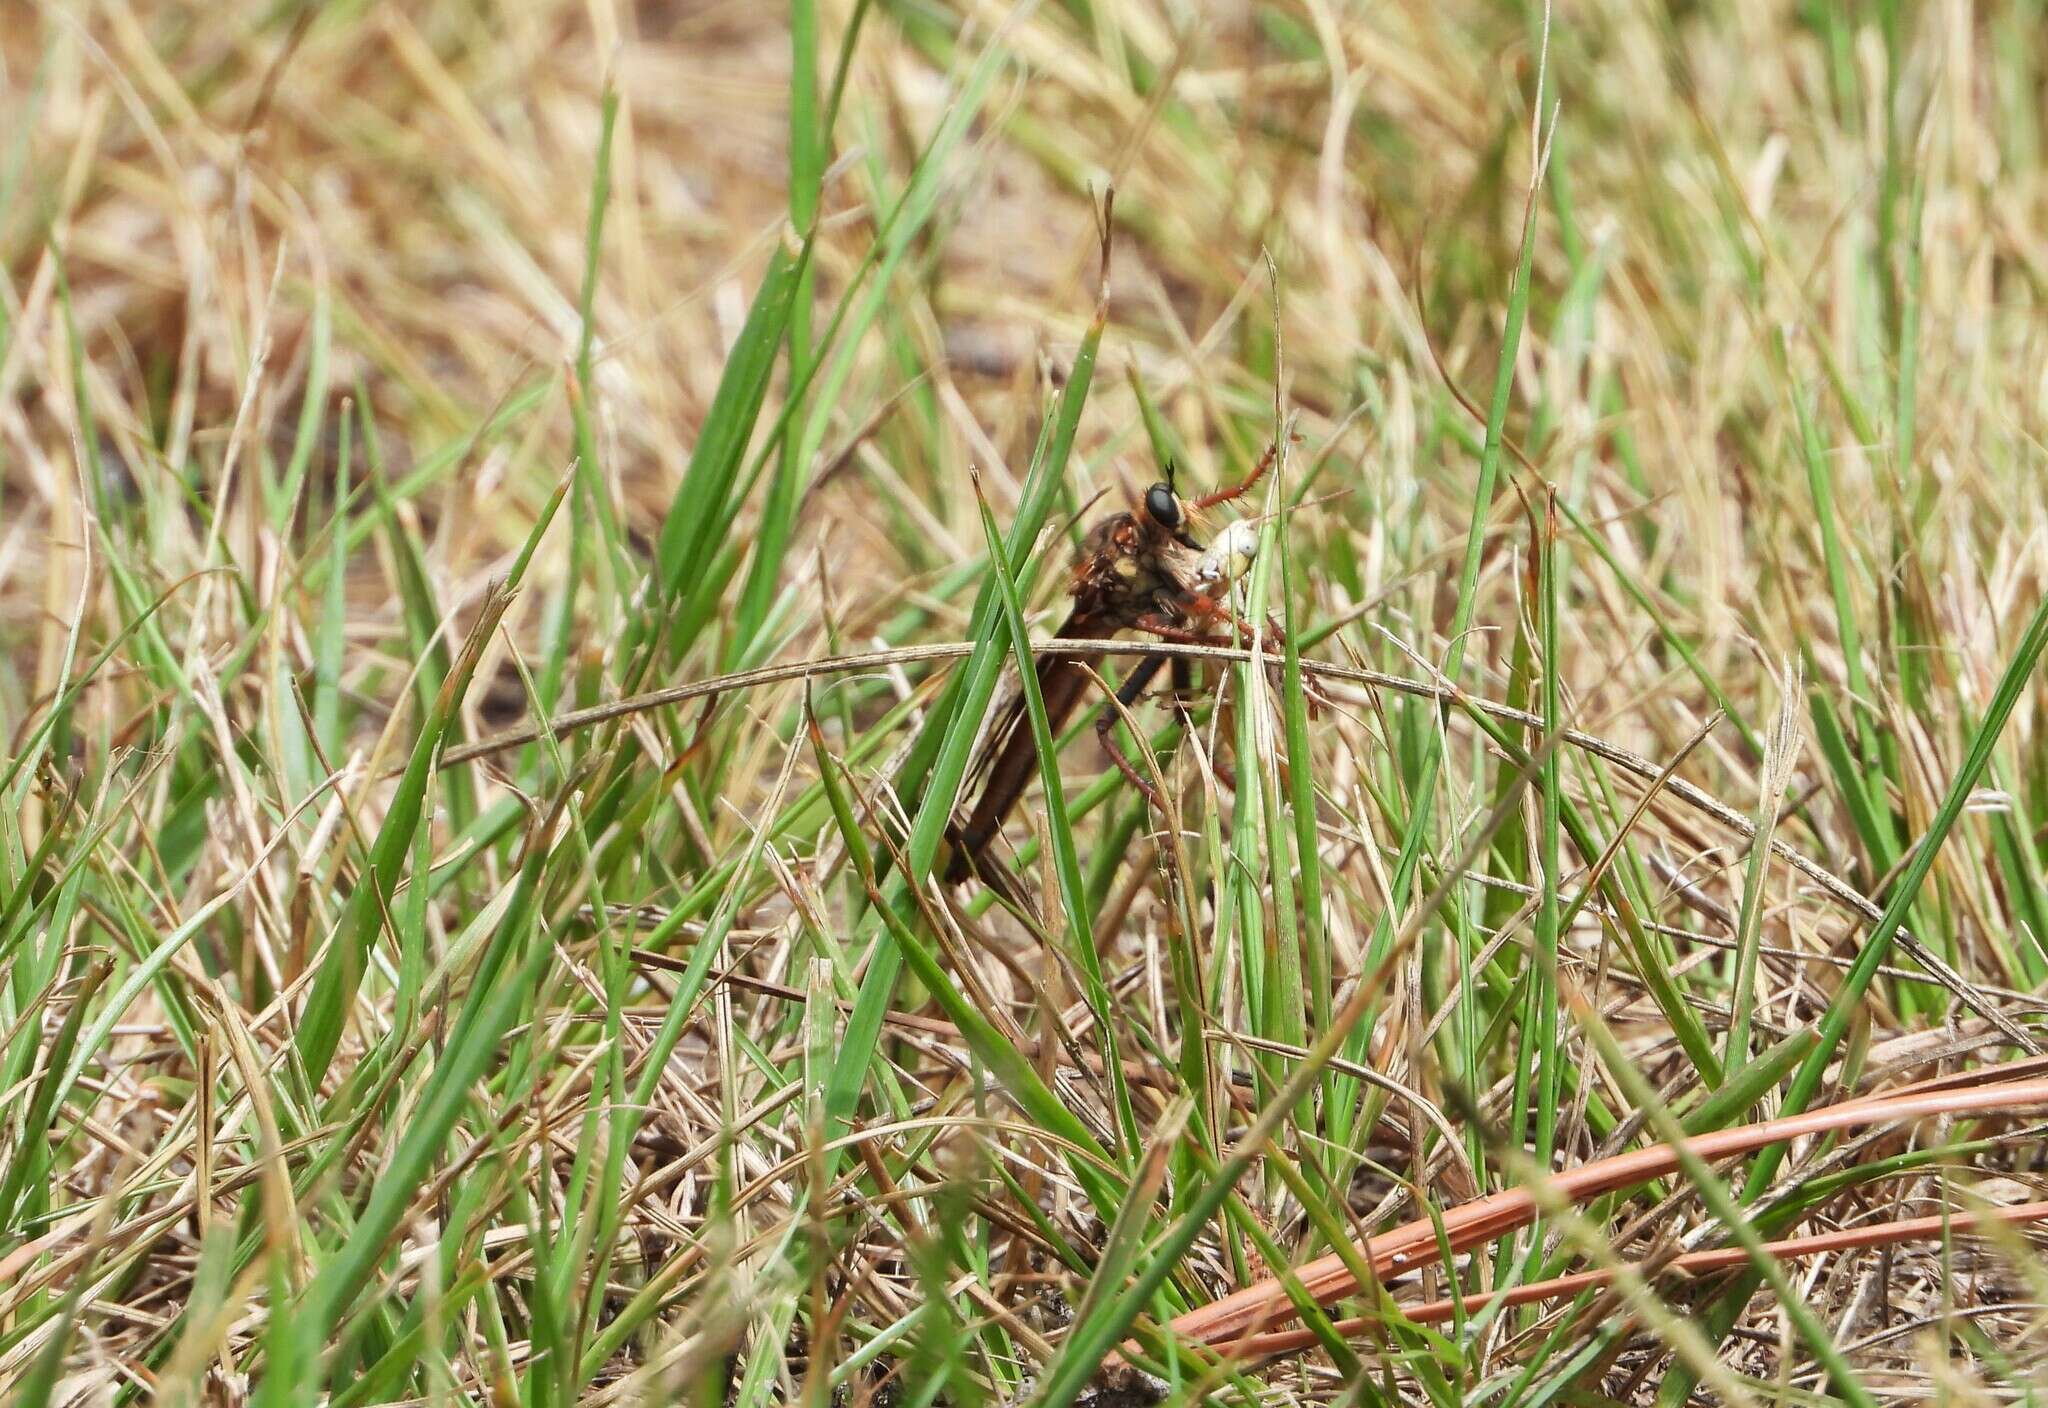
1881	1234
1413	1244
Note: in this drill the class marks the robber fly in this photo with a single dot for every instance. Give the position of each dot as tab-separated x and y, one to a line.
1140	570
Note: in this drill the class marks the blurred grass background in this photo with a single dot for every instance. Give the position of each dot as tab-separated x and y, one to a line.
379	378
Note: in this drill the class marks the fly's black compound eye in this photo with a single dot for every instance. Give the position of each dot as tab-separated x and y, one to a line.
1163	505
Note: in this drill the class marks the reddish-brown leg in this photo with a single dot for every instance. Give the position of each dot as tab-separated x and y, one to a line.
1123	765
1105	722
1205	612
1238	491
1152	623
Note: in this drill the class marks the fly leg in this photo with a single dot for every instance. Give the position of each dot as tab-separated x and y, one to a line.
1209	610
1154	623
1183	701
1221	614
1127	695
1206	615
1239	490
1183	687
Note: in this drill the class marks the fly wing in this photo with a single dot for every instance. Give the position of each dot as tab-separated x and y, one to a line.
1008	721
1094	578
1009	756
